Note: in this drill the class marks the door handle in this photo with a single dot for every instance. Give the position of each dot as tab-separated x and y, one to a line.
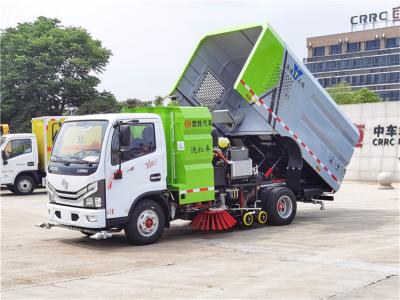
155	177
30	164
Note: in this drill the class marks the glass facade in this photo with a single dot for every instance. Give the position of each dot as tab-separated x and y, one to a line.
392	42
319	51
336	49
389	95
370	63
355	63
366	79
372	45
353	47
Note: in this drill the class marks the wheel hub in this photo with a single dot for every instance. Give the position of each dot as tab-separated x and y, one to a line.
24	185
284	207
147	223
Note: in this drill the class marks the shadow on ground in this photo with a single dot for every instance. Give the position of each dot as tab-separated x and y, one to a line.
333	221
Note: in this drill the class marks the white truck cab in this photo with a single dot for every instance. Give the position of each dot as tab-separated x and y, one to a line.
24	156
89	187
19	162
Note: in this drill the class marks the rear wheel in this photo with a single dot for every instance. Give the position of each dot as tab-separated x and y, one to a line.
146	224
280	205
24	185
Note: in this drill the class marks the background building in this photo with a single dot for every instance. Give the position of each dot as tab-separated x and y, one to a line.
367	58
378	149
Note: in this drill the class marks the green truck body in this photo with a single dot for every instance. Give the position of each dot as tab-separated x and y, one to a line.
189	150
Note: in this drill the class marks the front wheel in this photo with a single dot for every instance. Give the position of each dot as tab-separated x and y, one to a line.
24	185
280	205
146	224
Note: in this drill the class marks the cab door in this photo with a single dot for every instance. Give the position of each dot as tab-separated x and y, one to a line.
143	172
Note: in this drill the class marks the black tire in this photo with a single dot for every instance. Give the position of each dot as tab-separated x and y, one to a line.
10	187
135	229
24	185
280	205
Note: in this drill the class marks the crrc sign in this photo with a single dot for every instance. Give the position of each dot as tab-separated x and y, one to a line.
375	17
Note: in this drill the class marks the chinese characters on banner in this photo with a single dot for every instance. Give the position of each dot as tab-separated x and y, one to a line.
386	135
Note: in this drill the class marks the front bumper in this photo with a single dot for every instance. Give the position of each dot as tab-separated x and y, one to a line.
77	217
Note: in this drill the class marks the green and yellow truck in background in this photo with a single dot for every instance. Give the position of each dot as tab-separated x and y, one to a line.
24	156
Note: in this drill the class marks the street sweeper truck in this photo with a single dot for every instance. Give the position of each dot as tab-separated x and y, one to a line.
254	134
24	156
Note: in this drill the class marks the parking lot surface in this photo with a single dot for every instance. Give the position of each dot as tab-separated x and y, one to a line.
350	250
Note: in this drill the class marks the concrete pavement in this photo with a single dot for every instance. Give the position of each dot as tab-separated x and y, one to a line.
350	250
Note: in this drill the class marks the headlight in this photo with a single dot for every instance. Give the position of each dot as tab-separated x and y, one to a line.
92	186
50	192
51	197
93	202
96	198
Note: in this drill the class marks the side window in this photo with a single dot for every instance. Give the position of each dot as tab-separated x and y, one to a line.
18	147
142	142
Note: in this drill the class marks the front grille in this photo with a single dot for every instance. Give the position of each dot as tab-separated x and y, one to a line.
69	195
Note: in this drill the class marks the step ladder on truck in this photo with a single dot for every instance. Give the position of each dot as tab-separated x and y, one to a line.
24	156
254	134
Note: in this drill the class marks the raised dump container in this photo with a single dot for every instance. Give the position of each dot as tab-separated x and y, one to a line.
189	151
250	72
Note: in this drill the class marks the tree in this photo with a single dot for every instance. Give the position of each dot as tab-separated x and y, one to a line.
134	102
343	94
46	69
364	95
158	101
104	103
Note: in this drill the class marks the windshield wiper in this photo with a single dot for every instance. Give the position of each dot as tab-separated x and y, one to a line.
71	160
78	160
58	159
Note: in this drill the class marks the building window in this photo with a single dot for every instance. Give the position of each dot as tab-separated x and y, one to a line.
336	49
353	47
392	42
319	51
372	44
362	62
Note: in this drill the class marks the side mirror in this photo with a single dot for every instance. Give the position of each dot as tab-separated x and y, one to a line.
125	136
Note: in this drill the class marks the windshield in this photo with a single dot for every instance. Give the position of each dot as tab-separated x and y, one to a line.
79	142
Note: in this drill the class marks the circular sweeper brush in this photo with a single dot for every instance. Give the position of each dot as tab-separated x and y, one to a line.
213	220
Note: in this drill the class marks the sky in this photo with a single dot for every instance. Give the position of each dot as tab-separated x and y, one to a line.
152	41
